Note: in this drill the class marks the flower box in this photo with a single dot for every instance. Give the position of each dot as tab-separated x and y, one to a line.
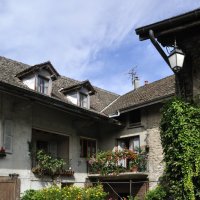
64	172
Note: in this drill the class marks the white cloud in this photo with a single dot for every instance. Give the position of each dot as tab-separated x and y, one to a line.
73	33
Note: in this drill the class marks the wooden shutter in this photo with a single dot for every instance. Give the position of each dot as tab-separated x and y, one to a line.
8	136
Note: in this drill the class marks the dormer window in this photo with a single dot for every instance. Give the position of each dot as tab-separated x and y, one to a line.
43	84
79	94
39	77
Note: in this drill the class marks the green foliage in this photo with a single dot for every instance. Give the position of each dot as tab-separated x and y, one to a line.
156	194
140	160
106	162
28	195
180	136
66	193
46	164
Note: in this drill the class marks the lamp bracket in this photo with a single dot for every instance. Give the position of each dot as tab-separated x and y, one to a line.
158	47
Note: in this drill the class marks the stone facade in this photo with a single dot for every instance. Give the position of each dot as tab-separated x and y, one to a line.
149	134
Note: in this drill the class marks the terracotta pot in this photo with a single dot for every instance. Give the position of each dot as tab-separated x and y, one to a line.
134	168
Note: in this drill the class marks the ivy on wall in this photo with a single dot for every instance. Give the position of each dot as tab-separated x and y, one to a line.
180	137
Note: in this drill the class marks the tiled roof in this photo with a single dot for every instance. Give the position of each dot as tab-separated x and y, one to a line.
9	69
143	95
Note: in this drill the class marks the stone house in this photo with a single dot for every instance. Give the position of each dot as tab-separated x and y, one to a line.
73	119
40	109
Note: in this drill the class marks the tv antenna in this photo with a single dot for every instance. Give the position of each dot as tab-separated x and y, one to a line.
132	73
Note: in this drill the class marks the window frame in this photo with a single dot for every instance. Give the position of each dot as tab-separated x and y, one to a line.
85	155
45	90
127	139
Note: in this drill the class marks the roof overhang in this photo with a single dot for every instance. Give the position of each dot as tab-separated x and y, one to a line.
85	84
55	103
147	103
166	31
46	65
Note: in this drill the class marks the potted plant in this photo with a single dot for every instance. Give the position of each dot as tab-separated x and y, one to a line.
133	165
2	152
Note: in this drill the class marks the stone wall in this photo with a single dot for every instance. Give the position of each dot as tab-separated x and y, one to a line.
149	135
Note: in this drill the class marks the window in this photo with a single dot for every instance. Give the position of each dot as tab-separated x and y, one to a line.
8	136
43	84
83	100
48	147
131	143
135	118
88	147
52	143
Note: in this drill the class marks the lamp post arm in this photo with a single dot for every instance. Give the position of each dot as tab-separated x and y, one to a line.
158	47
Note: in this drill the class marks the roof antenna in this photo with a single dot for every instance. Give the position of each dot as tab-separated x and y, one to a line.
134	78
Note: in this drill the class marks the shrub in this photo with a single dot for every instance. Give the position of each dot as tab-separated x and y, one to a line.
28	195
66	193
156	194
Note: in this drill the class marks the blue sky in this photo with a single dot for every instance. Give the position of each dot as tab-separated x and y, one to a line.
88	39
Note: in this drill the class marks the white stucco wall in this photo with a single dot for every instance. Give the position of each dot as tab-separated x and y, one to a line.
72	97
27	115
30	81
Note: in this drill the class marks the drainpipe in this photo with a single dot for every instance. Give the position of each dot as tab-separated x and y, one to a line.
114	115
158	47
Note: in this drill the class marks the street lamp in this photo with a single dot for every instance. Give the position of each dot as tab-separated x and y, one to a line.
176	59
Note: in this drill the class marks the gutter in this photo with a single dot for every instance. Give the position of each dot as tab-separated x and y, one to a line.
114	115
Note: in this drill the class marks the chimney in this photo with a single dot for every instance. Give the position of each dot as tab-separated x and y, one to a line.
136	83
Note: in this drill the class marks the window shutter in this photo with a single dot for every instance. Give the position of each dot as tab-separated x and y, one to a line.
8	136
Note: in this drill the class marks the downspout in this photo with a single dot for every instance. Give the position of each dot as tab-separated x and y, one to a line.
158	47
114	115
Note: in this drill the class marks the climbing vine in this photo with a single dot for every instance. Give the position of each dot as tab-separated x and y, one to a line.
180	137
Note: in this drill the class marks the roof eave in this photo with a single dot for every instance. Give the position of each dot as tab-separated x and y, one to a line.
37	67
56	103
172	24
147	103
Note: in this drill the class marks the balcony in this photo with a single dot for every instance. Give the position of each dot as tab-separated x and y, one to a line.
120	163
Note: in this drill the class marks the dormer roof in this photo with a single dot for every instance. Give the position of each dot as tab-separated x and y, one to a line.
84	84
46	65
